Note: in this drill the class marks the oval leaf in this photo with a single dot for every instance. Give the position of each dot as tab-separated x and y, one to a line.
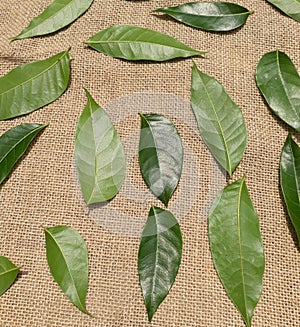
67	258
209	16
289	7
279	82
99	154
290	181
220	121
8	274
159	257
33	85
14	143
236	247
138	43
57	15
160	155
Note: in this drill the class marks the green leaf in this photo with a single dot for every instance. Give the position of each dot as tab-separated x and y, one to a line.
57	15
160	155
99	154
67	258
236	247
279	82
14	143
220	121
137	43
209	16
289	7
33	85
290	181
8	274
159	257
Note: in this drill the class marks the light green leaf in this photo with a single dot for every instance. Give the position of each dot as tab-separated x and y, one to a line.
289	7
67	257
159	257
57	15
279	83
99	154
236	247
8	274
220	120
160	155
138	43
33	85
209	16
290	181
14	143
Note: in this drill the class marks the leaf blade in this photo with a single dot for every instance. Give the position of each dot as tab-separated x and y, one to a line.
137	43
278	81
8	274
14	143
290	8
220	121
236	247
209	16
157	271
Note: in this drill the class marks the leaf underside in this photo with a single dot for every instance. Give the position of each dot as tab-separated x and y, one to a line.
289	7
8	274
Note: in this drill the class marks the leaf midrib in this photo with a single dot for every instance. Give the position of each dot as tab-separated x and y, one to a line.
210	16
294	169
8	271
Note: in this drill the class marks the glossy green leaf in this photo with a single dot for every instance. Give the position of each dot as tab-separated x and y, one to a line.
13	144
209	16
159	257
33	85
57	15
290	181
99	154
138	43
67	258
236	247
8	274
160	155
289	7
279	82
220	121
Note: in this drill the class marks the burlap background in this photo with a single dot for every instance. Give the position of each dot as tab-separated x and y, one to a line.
42	190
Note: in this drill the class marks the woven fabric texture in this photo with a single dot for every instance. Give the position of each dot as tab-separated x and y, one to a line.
43	190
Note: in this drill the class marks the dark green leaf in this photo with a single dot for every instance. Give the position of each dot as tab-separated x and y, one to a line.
68	262
220	121
33	85
279	82
99	154
138	43
8	274
289	7
236	247
290	181
159	257
13	144
209	16
160	155
57	15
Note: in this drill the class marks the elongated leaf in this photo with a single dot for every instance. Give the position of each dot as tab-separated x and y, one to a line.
290	181
279	82
138	43
160	155
13	144
209	16
159	257
220	121
33	85
67	258
289	7
8	274
99	154
236	247
57	15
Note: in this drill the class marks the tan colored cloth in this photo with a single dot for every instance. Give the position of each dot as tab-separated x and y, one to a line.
43	191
